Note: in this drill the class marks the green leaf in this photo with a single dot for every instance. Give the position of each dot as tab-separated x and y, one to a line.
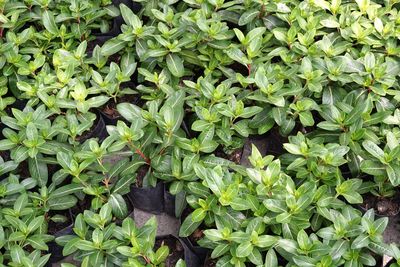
373	167
38	170
244	249
129	17
161	254
265	241
112	47
37	242
85	245
271	259
118	204
188	226
360	242
66	190
248	16
130	111
49	22
175	65
35	224
373	149
394	176
62	203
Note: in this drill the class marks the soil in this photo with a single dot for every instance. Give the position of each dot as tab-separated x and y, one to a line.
196	236
237	67
141	173
110	109
382	206
23	169
176	251
210	262
5	155
234	156
55	227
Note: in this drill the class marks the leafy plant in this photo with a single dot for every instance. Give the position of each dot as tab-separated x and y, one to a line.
98	240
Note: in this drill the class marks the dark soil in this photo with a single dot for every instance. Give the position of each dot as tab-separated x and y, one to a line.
382	206
23	169
141	173
176	251
210	262
55	227
110	109
196	236
234	156
5	155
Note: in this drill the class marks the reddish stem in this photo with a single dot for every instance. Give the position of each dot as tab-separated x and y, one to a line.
143	156
249	68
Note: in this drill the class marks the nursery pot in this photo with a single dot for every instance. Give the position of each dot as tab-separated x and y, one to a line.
200	252
55	249
189	256
169	203
150	199
98	130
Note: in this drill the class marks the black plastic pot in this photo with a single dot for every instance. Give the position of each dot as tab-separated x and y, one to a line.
190	257
99	130
200	252
169	203
55	249
150	199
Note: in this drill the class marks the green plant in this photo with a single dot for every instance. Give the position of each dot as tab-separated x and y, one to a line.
278	223
384	164
23	235
98	240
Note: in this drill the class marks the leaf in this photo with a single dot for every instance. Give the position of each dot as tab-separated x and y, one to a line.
49	22
35	224
130	111
112	47
330	23
188	226
129	17
175	65
244	249
62	203
161	254
271	259
394	176
373	149
373	167
21	202
85	245
37	243
248	16
66	190
38	170
118	204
